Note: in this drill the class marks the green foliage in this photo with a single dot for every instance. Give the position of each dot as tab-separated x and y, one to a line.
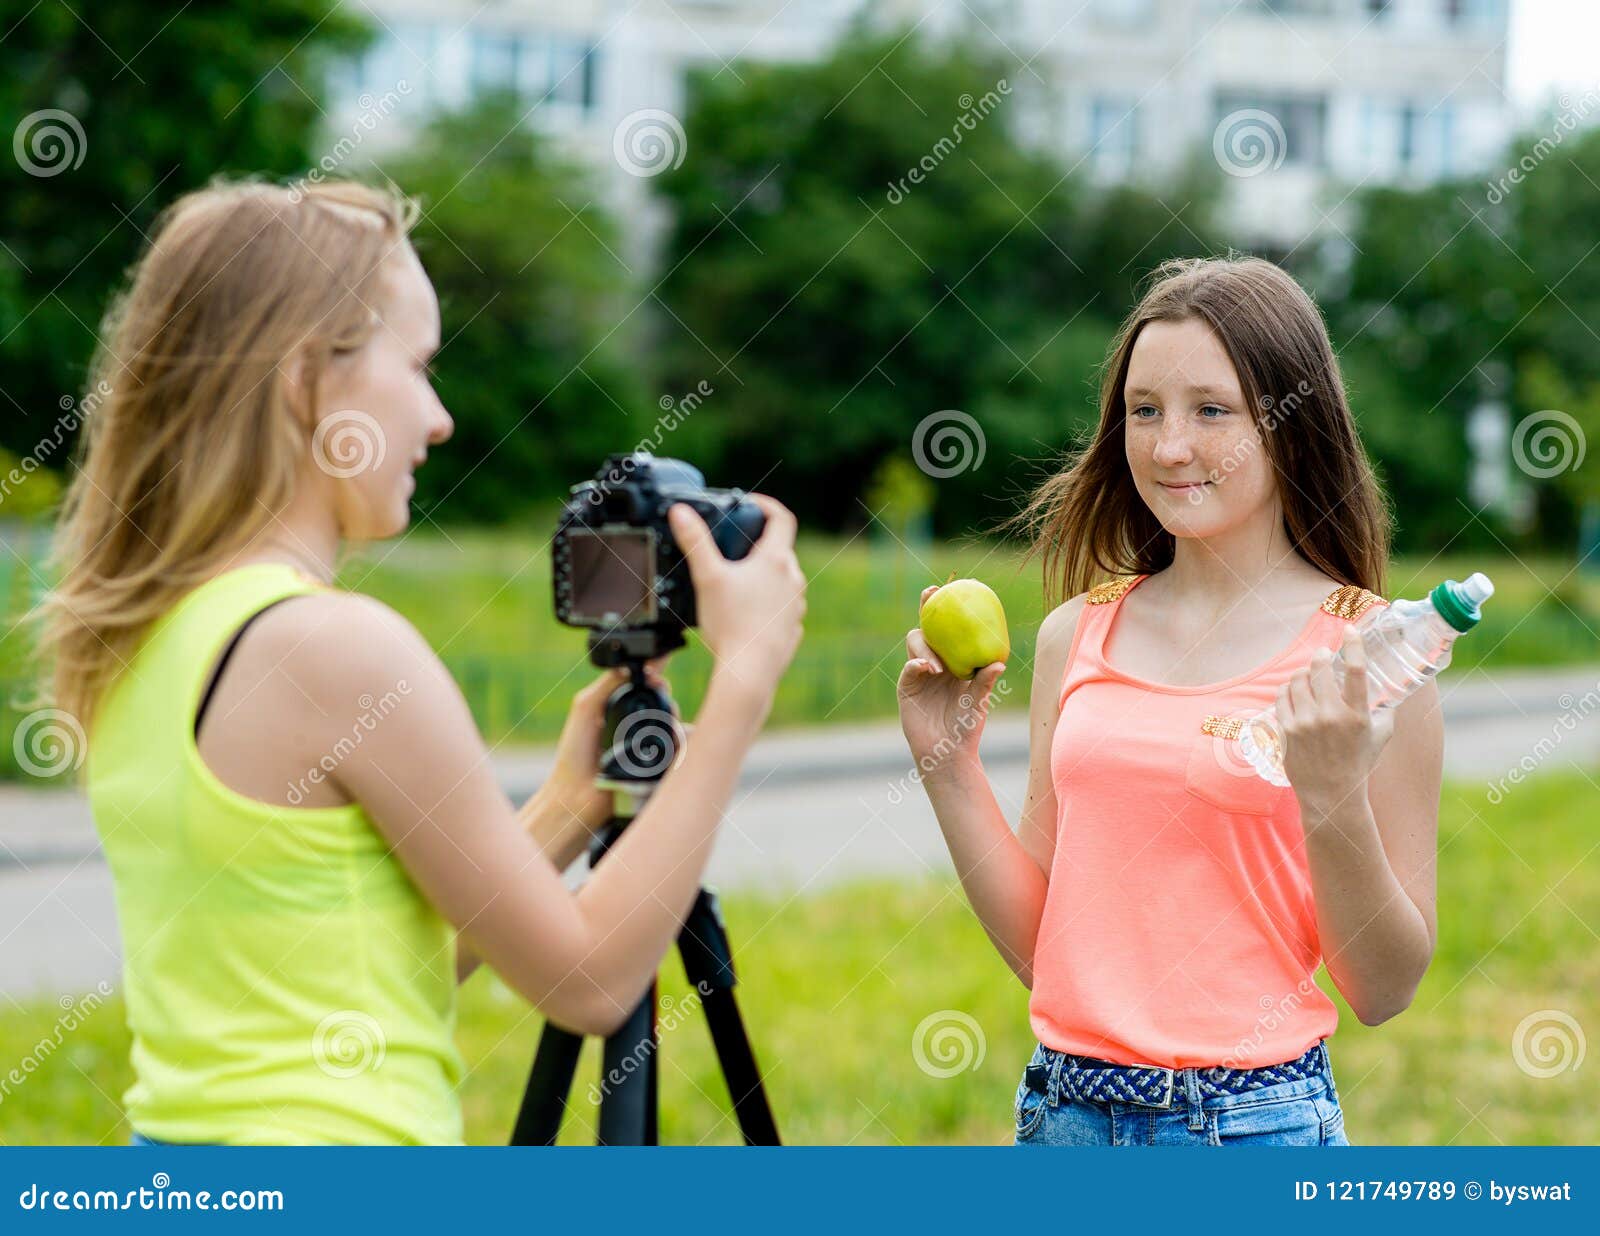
532	286
1464	290
221	90
861	243
27	490
835	985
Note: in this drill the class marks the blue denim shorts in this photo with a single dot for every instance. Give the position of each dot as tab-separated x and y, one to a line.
1067	1100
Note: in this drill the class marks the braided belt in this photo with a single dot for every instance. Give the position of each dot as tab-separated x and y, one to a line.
1089	1080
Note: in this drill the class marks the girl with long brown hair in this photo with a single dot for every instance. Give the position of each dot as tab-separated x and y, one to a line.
307	839
1204	557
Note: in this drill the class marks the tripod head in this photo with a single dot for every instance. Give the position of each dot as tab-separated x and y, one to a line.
643	740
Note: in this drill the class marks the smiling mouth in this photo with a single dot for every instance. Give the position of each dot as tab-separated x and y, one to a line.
1185	486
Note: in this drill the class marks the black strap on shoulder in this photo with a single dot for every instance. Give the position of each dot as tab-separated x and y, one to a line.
222	661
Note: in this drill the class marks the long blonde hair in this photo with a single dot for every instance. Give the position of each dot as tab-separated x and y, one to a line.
199	434
1088	521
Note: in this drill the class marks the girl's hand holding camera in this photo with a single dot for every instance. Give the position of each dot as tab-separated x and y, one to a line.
749	611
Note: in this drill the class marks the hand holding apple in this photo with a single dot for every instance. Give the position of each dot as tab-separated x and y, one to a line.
941	713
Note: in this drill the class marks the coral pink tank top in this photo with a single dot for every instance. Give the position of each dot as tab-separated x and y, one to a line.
1179	927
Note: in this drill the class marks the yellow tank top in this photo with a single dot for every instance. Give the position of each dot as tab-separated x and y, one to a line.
286	982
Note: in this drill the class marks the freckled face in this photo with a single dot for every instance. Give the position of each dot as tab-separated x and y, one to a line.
1193	447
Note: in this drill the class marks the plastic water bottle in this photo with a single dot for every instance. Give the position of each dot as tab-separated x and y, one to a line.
1407	643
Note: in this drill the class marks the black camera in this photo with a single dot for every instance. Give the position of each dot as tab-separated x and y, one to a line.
617	569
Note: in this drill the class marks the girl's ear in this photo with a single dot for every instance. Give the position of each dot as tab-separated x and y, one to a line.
295	370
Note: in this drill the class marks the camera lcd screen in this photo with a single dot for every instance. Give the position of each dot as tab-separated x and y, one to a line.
613	574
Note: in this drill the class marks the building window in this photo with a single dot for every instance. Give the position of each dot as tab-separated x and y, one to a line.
1303	119
1491	13
1298	8
1124	12
1113	135
494	61
538	68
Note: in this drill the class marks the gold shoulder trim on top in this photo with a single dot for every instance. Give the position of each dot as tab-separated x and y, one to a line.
1221	727
1350	601
1112	590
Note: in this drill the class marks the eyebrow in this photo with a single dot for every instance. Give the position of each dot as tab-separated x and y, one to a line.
1216	392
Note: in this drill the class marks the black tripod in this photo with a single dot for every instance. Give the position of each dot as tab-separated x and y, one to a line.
644	742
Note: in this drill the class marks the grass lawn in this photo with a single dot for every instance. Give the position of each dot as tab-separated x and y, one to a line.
835	986
482	599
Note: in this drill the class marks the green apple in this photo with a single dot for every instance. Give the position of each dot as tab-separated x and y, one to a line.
965	625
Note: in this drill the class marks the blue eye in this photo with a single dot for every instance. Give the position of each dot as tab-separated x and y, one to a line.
1142	408
1211	407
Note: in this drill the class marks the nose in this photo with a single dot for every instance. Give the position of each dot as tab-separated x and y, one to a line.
441	429
1172	446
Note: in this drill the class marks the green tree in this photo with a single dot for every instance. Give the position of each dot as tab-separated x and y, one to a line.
533	294
1466	289
114	111
862	243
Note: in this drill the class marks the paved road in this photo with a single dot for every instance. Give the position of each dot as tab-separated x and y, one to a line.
813	808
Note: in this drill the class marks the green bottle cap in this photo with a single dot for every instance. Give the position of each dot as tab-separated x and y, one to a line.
1461	605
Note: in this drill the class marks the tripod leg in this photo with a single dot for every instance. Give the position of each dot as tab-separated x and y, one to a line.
708	963
628	1080
549	1083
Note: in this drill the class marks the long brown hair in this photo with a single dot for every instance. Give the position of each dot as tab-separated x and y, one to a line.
1088	520
200	436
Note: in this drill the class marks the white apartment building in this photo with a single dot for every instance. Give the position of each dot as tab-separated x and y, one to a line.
1299	101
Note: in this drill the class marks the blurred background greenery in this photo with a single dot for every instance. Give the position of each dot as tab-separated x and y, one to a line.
822	324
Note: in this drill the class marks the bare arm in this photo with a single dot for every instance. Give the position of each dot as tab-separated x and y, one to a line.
1370	808
1004	875
424	776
